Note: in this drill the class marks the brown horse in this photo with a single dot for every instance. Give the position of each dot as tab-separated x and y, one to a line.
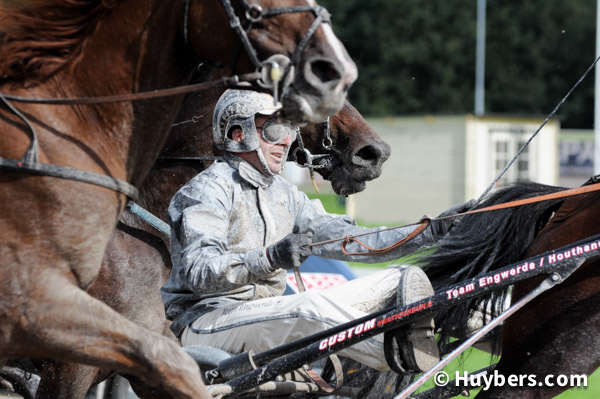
555	334
137	260
558	333
55	230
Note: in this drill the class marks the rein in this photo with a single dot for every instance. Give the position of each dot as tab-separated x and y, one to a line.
225	82
547	197
198	162
306	160
425	221
193	162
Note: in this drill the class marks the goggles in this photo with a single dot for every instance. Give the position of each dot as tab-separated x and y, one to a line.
274	132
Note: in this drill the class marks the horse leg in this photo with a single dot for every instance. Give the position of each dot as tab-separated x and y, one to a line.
129	282
62	380
72	325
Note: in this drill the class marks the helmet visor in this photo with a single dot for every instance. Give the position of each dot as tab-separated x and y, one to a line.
274	132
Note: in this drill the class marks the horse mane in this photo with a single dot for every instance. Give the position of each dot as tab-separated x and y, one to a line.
40	37
484	242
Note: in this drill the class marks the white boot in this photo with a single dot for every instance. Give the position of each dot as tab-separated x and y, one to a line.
418	348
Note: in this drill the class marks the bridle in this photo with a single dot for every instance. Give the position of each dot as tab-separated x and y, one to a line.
198	164
255	13
270	74
302	157
278	69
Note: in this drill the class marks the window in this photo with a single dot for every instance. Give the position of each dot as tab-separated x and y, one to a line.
506	141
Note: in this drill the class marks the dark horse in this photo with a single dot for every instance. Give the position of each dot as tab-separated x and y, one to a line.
137	260
557	333
54	230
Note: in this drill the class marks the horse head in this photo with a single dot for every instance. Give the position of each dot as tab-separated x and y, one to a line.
344	150
289	41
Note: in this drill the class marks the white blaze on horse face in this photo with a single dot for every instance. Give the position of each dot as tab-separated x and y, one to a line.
351	72
341	54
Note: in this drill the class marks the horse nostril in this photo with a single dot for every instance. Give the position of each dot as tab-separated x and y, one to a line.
367	155
325	71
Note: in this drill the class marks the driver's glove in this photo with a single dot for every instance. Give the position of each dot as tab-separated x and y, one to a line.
290	251
442	227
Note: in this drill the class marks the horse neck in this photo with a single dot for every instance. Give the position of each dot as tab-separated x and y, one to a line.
149	56
137	46
161	184
164	60
190	137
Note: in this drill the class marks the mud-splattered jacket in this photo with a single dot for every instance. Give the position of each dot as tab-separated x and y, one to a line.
223	220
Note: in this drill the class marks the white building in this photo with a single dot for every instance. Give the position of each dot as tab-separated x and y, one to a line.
440	161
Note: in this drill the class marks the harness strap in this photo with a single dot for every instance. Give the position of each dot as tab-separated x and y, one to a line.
29	164
65	172
339	376
30	155
225	82
333	358
149	218
193	162
234	22
380	251
286	10
322	16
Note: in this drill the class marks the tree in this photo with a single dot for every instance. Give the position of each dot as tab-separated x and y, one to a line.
418	56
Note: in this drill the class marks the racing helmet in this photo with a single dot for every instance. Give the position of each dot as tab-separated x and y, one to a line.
237	108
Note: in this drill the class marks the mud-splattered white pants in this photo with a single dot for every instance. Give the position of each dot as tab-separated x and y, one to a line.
264	324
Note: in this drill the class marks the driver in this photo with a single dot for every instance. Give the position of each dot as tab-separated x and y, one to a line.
238	226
